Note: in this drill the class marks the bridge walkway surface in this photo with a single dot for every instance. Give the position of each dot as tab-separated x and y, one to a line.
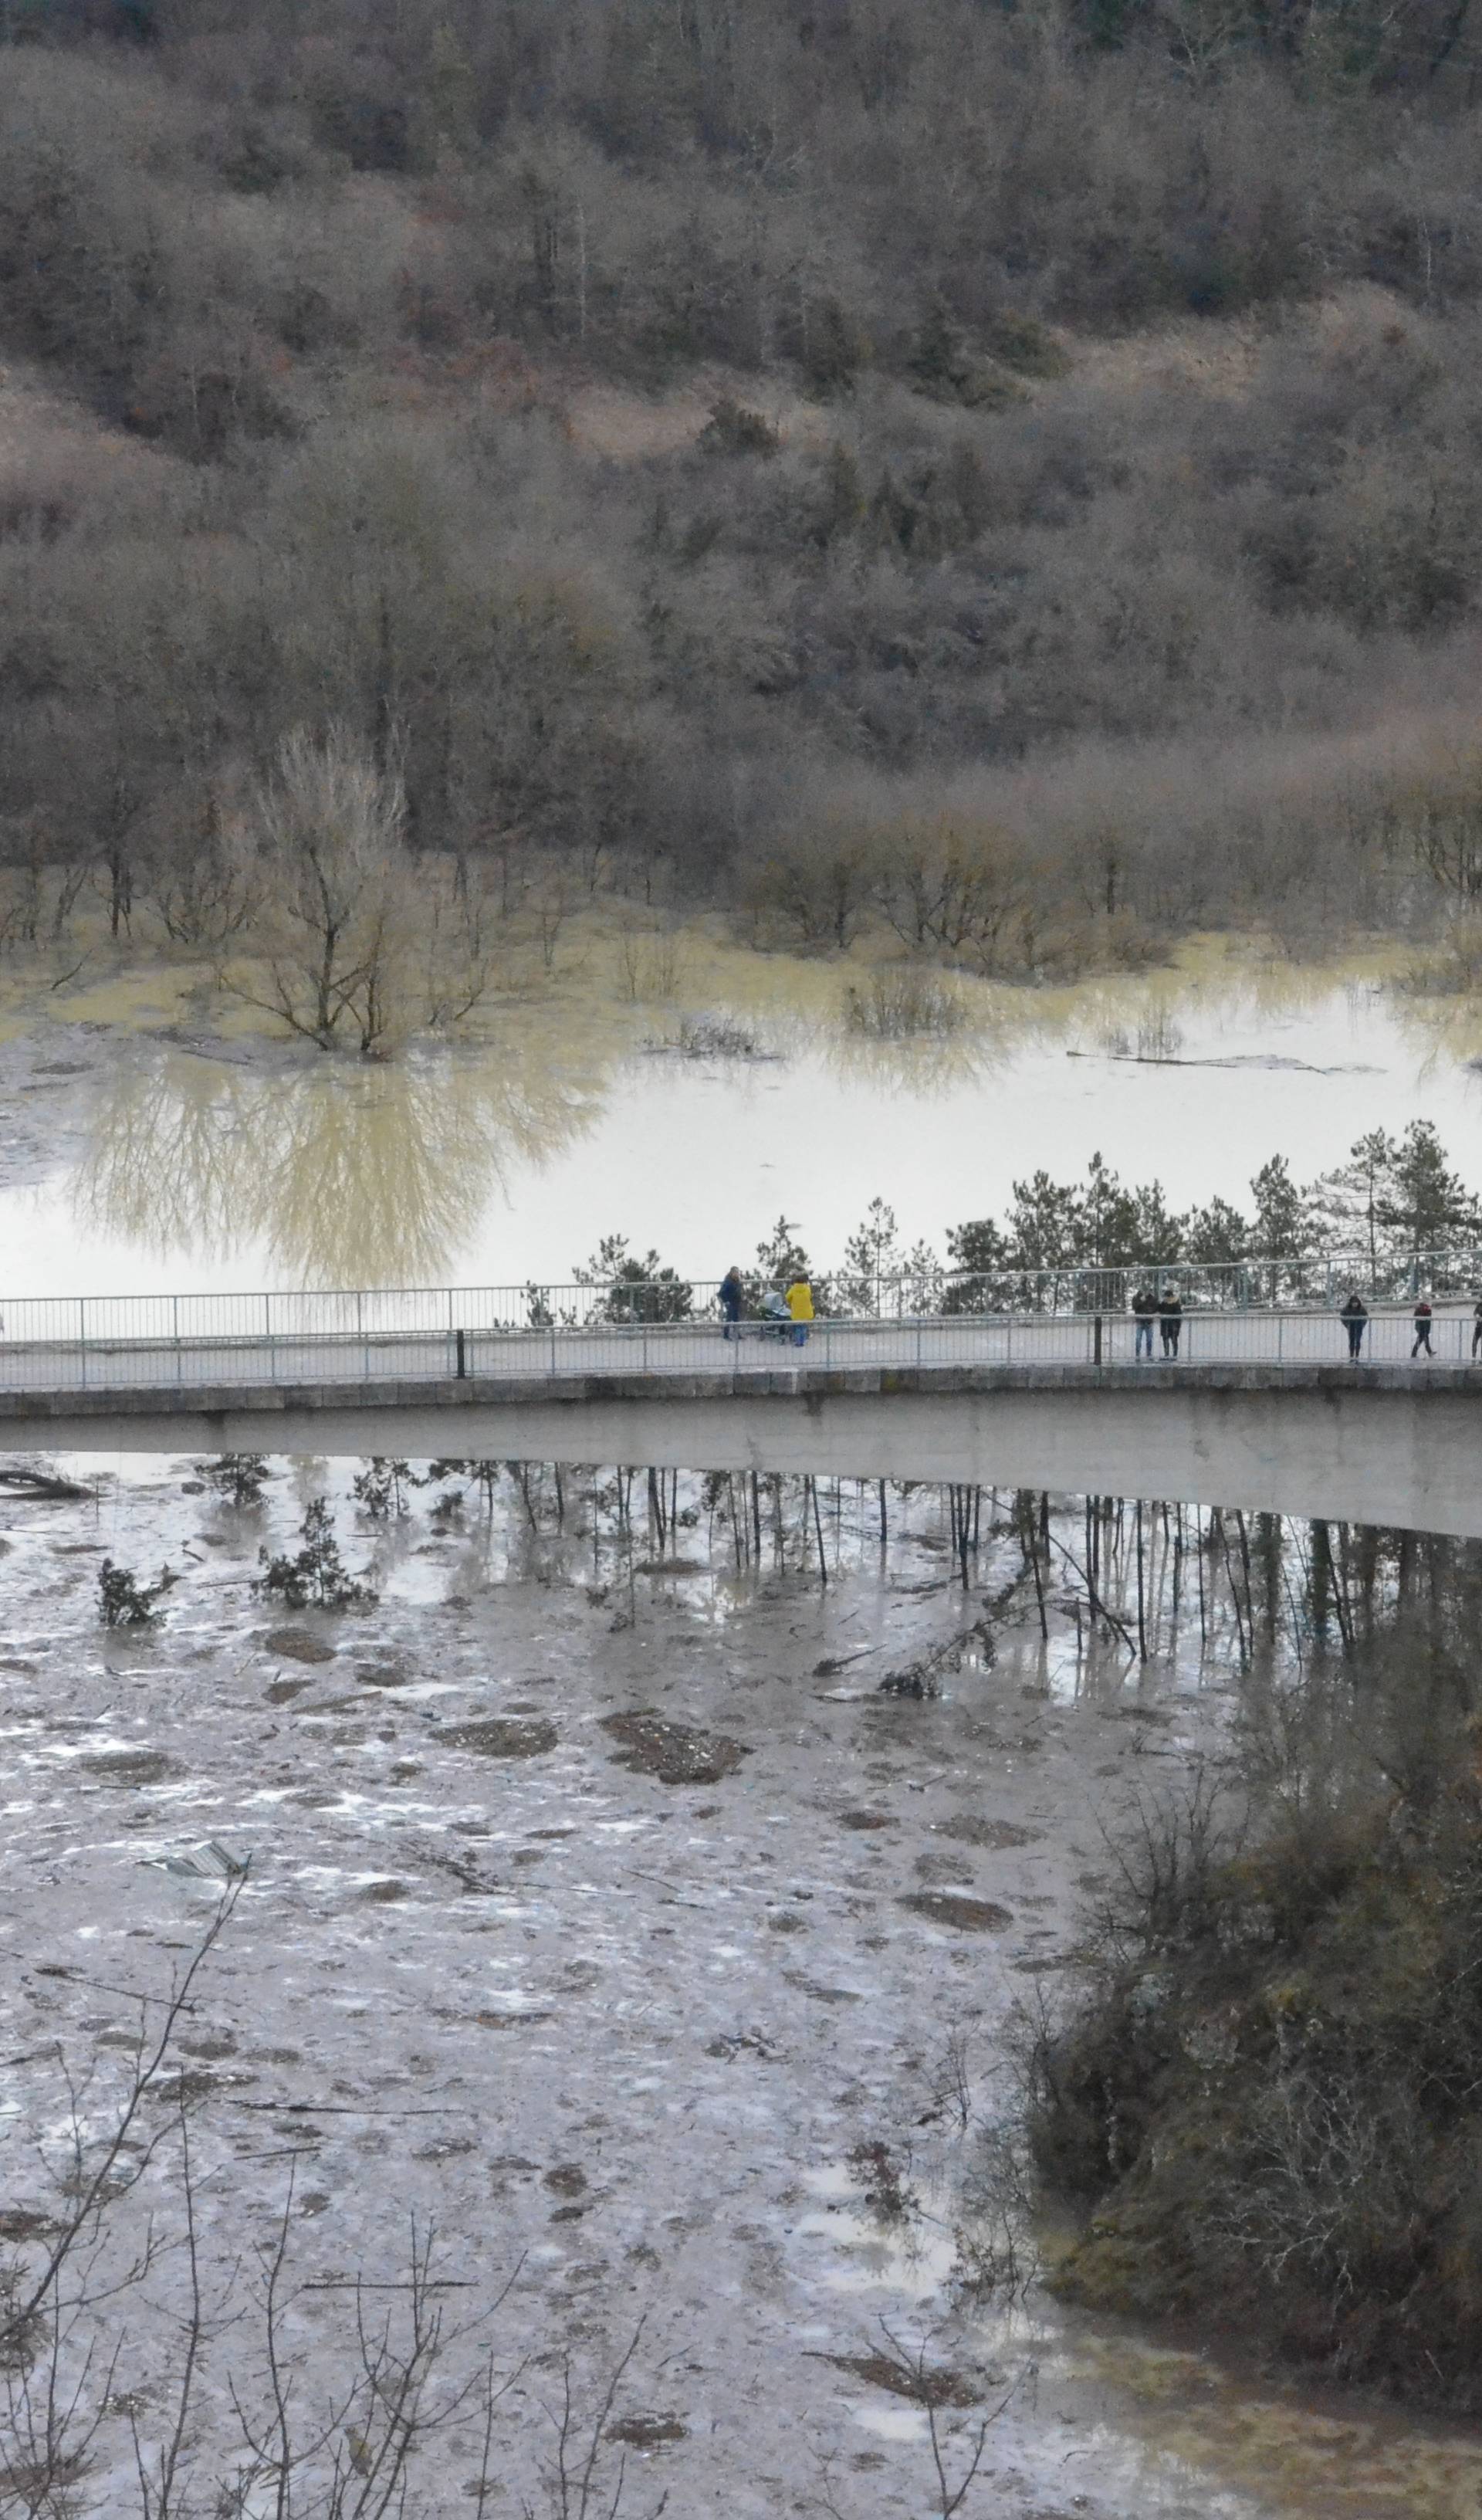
1259	1409
102	1362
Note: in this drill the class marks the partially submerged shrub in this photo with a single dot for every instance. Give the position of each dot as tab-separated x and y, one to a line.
381	1488
238	1478
904	1005
717	1036
124	1601
1453	969
316	1578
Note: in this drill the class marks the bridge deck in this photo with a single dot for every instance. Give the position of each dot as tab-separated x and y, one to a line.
1258	1410
125	1373
446	1397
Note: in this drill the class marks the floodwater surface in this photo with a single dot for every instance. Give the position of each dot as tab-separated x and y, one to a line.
671	2043
634	2032
223	1166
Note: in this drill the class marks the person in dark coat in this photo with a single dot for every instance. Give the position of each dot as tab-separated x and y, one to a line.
1144	1306
1353	1314
1422	1329
731	1297
1170	1319
1477	1328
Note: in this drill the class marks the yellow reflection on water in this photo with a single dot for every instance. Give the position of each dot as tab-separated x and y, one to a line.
343	1176
1304	2460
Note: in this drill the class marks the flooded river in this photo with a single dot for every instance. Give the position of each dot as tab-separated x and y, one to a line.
140	1162
605	1914
645	2037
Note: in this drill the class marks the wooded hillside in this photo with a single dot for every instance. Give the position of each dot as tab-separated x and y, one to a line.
1024	448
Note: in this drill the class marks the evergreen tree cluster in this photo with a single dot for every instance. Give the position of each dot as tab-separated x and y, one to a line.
1393	1202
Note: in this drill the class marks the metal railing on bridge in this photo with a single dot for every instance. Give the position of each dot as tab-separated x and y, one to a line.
1243	1285
147	1343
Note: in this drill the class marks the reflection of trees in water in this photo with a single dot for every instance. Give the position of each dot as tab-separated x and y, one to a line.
932	1063
1447	1026
345	1177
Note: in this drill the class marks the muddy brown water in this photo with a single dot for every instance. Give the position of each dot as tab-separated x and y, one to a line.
137	1159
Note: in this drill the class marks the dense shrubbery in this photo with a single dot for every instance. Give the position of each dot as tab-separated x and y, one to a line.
338	287
1268	2094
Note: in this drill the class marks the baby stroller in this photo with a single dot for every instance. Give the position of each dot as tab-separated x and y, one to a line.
777	1321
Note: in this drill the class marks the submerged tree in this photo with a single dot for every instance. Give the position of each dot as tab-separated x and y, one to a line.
124	1601
354	941
327	833
383	1488
316	1577
238	1478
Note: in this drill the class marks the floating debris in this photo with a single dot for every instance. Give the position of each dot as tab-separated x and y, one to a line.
677	1754
502	1736
209	1862
299	1644
131	1767
648	2432
921	2384
923	1678
968	1916
1000	1834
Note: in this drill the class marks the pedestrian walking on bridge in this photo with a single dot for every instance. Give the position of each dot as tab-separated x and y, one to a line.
1354	1317
1477	1328
1422	1329
1170	1319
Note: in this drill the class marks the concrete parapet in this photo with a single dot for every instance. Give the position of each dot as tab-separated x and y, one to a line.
1398	1444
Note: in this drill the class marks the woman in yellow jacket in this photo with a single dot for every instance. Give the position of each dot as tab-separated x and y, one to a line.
799	1302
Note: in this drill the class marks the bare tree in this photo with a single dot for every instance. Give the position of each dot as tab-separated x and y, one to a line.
343	933
326	838
958	883
112	2326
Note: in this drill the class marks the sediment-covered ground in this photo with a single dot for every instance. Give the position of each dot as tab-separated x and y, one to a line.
626	1939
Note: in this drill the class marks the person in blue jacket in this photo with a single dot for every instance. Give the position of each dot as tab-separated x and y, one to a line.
731	1296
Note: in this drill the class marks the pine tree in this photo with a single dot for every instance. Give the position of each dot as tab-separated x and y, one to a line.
779	1259
873	1260
1107	1218
1281	1226
980	1254
1216	1234
638	1288
1046	1226
1353	1199
1157	1232
1423	1199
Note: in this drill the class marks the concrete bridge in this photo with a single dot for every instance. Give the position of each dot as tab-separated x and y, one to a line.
1258	1409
